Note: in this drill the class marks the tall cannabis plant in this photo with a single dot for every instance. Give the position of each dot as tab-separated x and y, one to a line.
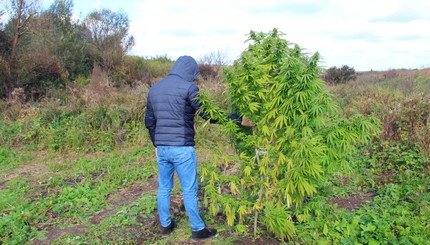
297	138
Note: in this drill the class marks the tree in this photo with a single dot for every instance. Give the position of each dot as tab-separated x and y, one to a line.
4	66
297	141
22	12
53	52
66	39
1	17
108	32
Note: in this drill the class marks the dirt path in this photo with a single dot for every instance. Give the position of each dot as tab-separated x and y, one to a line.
34	169
37	167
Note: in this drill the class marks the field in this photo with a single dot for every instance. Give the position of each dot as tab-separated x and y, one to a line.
79	168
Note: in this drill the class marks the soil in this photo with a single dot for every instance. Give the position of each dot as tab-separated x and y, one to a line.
354	201
139	234
357	201
121	198
386	177
54	233
37	170
131	193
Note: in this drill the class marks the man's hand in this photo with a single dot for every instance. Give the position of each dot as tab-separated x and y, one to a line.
247	123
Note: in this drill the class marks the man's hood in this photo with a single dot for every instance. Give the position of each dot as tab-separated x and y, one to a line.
185	67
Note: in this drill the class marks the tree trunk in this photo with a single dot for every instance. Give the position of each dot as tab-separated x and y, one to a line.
14	48
13	64
25	10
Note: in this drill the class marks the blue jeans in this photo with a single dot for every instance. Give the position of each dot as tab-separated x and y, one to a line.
183	160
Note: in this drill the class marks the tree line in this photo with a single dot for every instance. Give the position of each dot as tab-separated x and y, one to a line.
45	48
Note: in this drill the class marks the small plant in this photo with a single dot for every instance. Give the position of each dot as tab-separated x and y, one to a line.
335	75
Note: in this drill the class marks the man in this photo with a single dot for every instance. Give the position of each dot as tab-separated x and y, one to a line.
169	118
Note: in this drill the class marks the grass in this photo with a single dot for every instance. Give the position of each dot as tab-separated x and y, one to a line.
67	193
76	171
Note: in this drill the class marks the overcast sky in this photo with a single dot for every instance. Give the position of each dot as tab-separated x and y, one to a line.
363	34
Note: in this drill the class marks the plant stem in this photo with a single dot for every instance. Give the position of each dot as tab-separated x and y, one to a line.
260	193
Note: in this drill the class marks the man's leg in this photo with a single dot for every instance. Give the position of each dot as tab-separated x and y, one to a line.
186	167
165	184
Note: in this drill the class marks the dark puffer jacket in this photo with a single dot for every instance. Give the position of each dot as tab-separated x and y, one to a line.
171	106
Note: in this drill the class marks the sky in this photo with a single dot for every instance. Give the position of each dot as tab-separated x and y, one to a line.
363	34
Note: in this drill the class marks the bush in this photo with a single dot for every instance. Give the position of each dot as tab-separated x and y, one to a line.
336	75
147	71
40	73
208	71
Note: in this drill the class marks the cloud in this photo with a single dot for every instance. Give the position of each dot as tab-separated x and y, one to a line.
364	34
399	17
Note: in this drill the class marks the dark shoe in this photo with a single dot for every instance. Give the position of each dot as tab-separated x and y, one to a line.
203	234
165	231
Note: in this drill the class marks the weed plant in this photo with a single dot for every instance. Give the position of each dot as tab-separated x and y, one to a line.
298	138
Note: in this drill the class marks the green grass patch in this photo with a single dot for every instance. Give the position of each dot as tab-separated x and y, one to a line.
77	190
130	224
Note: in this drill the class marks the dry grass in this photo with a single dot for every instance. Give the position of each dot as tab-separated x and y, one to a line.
399	98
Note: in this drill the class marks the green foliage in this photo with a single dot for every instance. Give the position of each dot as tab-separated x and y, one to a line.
335	75
47	48
76	196
98	127
4	72
19	214
6	157
110	41
146	70
80	201
114	228
10	159
278	220
66	39
298	138
51	49
9	132
281	177
399	157
398	212
40	73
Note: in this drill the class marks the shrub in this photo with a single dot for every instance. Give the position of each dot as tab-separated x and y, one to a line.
41	73
208	71
212	64
336	75
147	71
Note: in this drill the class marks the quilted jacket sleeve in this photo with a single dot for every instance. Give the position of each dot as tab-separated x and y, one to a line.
150	121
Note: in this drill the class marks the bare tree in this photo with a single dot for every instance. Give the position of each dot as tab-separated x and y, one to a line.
2	11
218	59
211	64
